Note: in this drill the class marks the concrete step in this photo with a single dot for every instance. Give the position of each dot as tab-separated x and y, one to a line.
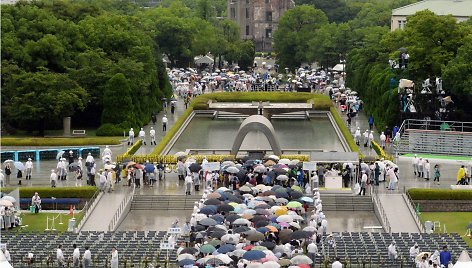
163	202
346	202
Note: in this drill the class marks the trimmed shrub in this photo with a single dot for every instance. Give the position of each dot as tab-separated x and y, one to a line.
439	194
380	152
61	192
346	133
75	141
109	130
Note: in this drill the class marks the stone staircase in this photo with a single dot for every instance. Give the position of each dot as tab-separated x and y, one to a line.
435	142
346	202
164	202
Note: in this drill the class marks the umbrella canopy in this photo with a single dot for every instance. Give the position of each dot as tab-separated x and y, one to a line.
207	248
463	261
59	155
208	222
301	259
306	199
268	244
254	255
241	229
207	210
269	163
6	203
9	198
19	166
225	208
130	164
226	248
185	256
256	236
214	195
260	169
191	250
232	170
186	262
285	161
238	253
282	178
245	189
300	235
214	202
179	154
273	157
74	166
232	218
194	167
294	204
284	218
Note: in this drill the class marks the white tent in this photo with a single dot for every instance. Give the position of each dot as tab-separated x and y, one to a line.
203	60
463	261
339	67
3	261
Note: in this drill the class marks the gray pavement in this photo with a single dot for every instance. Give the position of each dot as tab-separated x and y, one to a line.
398	214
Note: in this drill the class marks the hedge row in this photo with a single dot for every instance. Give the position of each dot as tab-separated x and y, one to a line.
131	151
439	194
380	152
345	131
60	192
28	141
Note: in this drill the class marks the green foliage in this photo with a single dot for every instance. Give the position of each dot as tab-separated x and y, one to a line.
380	152
79	141
296	27
345	131
336	10
108	129
60	192
117	94
439	194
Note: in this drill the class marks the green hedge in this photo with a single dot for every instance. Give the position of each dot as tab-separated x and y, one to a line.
439	194
109	130
60	192
71	141
345	131
381	152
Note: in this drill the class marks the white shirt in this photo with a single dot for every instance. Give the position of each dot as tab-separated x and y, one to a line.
131	133
391	174
358	133
106	151
29	164
142	133
53	176
414	251
383	137
89	159
420	162
76	254
164	119
103	179
87	255
114	256
312	248
414	161
59	254
152	133
337	264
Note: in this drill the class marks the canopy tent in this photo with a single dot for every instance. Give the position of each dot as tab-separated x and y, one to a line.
203	60
463	261
339	67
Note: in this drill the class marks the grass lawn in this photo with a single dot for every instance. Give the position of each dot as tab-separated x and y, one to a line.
72	141
455	222
37	222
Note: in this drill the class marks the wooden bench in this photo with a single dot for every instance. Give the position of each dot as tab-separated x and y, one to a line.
79	132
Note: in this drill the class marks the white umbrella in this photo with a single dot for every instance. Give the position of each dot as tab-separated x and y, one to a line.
180	154
301	259
6	203
238	253
282	178
225	258
59	155
463	261
9	198
285	161
273	157
241	222
233	170
285	218
270	264
185	256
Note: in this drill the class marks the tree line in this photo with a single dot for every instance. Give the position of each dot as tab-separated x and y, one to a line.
100	61
359	33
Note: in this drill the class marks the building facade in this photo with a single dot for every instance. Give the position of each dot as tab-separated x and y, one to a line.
258	19
459	9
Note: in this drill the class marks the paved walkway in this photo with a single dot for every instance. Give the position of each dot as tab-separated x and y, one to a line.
398	214
104	211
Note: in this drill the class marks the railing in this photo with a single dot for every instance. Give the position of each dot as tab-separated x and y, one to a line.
88	208
124	206
436	142
436	125
380	210
411	207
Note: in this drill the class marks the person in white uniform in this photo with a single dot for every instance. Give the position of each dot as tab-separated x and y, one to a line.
131	137
152	134
28	169
114	258
142	136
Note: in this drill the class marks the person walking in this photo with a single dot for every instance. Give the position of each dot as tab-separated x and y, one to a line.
392	174
102	180
75	256
131	137
180	170
357	136
414	251
371	138
445	257
142	136
363	183
366	137
188	184
70	157
87	258
164	123
420	167
7	173
36	202
53	178
28	169
19	175
138	177
414	163
437	173
427	169
392	251
60	256
152	134
371	122
383	140
89	162
114	258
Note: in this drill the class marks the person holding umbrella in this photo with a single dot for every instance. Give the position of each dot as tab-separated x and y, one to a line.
28	169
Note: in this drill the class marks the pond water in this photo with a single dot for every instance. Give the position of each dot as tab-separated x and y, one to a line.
205	133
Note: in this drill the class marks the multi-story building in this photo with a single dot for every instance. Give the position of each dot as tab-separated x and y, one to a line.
459	9
258	19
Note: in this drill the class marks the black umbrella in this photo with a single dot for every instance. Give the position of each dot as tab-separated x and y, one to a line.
232	217
272	174
199	228
296	195
194	167
241	229
235	199
74	167
258	218
300	235
191	251
280	171
225	208
262	223
214	202
218	218
267	193
281	194
217	234
263	206
268	244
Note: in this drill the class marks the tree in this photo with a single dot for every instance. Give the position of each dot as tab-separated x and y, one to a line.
296	27
330	44
43	97
336	10
117	101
